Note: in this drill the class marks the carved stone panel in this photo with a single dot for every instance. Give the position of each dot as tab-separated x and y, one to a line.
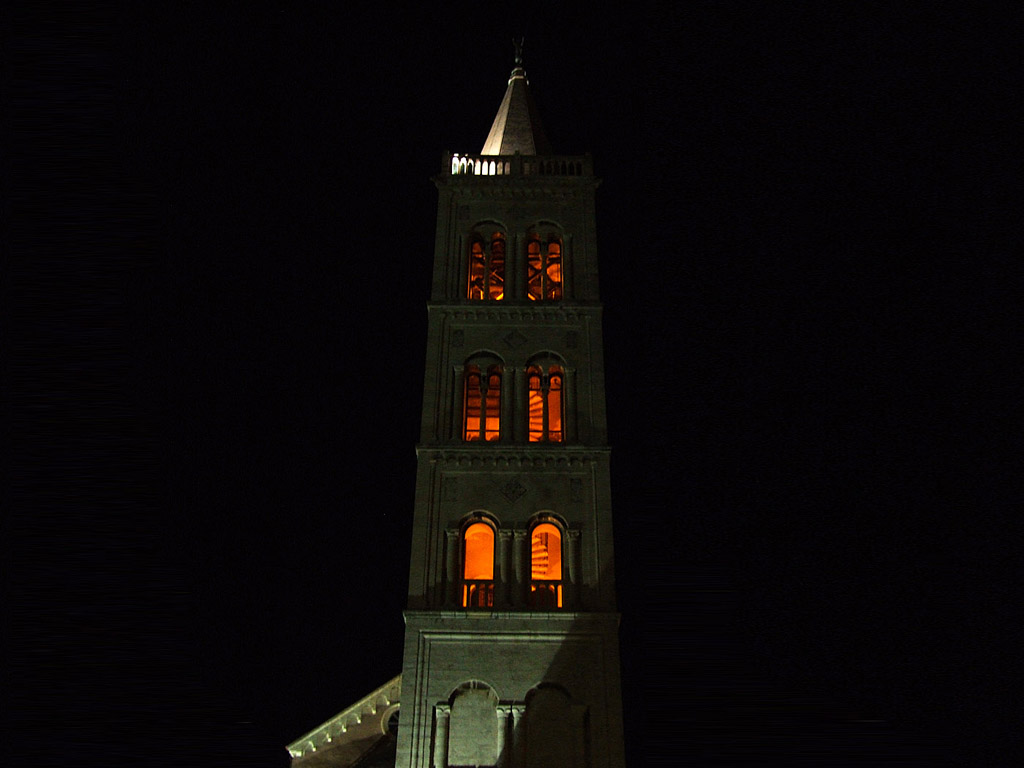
514	339
513	490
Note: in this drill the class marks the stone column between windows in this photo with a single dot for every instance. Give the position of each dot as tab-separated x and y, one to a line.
503	711
456	423
572	579
521	579
569	406
513	289
462	268
504	569
518	737
441	712
520	405
567	264
452	577
507	409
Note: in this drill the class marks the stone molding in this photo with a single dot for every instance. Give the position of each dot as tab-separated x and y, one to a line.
569	188
512	457
576	621
492	312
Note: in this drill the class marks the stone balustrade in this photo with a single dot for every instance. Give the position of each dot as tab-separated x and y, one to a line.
518	165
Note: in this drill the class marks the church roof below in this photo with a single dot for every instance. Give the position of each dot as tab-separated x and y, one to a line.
360	735
517	127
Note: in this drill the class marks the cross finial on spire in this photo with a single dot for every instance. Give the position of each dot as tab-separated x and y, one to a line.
516	127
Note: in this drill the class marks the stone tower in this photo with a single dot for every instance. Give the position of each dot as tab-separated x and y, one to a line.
511	649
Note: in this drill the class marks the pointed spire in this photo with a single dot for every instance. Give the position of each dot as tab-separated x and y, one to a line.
517	127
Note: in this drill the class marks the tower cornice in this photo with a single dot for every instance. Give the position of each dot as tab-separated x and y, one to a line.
505	189
525	312
563	622
514	456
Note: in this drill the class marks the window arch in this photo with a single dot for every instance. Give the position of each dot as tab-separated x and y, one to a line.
478	565
546	392
546	566
487	268
543	269
555	728
473	730
481	403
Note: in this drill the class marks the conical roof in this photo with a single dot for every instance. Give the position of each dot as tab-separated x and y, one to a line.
517	127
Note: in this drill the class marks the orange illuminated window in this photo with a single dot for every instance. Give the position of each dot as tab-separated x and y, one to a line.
543	270
481	410
478	566
546	410
487	269
546	567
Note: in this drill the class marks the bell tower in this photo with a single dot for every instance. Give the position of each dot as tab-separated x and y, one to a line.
511	651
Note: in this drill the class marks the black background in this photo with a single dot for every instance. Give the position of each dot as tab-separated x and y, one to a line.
808	288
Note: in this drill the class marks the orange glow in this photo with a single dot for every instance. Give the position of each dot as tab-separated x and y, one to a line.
481	410
479	557
477	270
493	402
546	546
478	594
546	595
545	405
553	289
487	270
536	408
473	398
496	283
543	270
534	270
555	406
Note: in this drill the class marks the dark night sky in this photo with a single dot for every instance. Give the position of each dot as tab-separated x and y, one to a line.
807	288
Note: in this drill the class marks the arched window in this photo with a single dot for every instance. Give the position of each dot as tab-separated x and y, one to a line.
487	268
478	566
481	409
555	731
543	269
473	731
546	404
546	566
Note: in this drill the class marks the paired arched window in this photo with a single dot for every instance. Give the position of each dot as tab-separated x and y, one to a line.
546	403
474	736
543	269
487	268
478	566
481	409
474	572
554	729
546	566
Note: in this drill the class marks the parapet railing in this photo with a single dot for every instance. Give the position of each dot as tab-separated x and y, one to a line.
477	593
518	165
